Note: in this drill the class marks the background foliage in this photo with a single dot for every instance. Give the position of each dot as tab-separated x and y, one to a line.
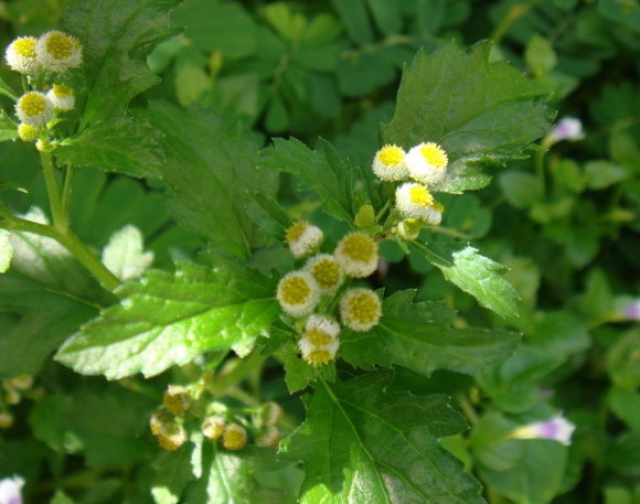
564	221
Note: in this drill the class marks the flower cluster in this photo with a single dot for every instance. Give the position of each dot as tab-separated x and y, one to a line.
421	167
317	284
42	60
13	390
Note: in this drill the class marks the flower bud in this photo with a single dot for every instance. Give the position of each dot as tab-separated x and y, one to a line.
6	420
360	309
28	133
269	438
325	271
176	399
234	437
213	427
366	217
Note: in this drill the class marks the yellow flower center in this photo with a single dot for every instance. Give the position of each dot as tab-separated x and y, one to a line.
295	232
420	196
434	155
391	155
60	46
25	47
359	247
295	290
62	90
326	272
318	338
364	308
318	357
32	104
235	437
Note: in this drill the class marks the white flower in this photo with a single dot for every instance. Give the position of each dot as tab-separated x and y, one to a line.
556	429
360	309
21	55
357	255
427	163
389	163
317	355
10	490
298	293
326	272
56	51
34	108
303	238
568	128
415	201
321	329
62	97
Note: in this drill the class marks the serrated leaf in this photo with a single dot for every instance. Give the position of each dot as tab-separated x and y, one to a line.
476	275
116	36
419	336
362	444
480	112
124	255
6	250
322	171
168	319
173	471
122	145
212	168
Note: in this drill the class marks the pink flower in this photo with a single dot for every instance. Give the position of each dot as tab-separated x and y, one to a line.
556	429
10	490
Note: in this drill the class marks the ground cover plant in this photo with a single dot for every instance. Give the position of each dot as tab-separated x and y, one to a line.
321	252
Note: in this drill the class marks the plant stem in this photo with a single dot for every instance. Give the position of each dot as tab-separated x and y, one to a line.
60	221
243	369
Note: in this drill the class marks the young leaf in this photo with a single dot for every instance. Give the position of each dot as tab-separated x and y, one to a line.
362	444
124	254
212	169
321	171
116	36
168	319
419	336
476	275
480	112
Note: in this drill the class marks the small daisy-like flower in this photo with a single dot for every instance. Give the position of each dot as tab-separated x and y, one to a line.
360	309
556	429
21	55
213	426
389	164
176	399
357	255
6	421
409	229
321	329
234	437
303	238
317	355
34	108
427	163
171	437
326	272
11	490
56	51
62	97
28	133
298	293
269	438
272	414
415	201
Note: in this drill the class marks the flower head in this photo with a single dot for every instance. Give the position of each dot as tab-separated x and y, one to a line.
10	490
28	133
389	163
315	354
234	437
326	272
357	255
557	428
568	128
21	55
360	309
176	399
62	97
303	238
321	329
415	201
298	293
6	421
56	51
213	426
427	163
172	437
269	438
632	310
34	108
272	414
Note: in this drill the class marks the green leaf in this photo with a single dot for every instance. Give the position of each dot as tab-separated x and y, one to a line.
322	171
476	275
167	319
62	498
387	15
520	189
7	90
6	250
124	255
213	169
623	361
540	55
480	112
419	336
355	19
174	470
116	36
43	319
8	128
362	444
625	404
602	174
122	145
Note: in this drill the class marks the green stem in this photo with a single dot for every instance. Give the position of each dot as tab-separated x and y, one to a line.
539	164
244	368
467	408
66	190
515	12
60	221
